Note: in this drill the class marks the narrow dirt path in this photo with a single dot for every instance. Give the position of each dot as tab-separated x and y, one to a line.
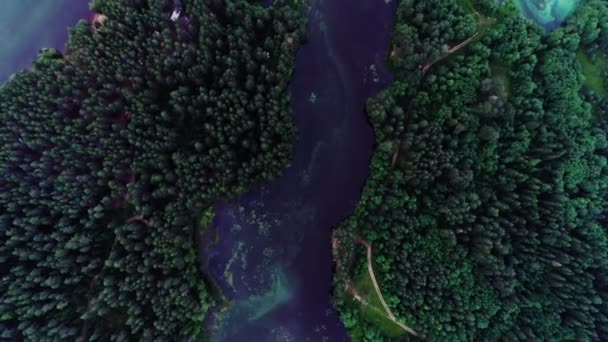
401	325
451	51
370	268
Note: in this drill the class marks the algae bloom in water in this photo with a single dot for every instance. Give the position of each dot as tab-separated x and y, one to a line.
548	13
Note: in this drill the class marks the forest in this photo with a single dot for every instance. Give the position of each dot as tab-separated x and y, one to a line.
111	151
486	201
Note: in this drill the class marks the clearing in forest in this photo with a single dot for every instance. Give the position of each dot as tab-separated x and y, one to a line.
502	74
372	309
594	71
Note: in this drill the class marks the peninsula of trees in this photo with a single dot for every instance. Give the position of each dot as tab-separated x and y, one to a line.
110	152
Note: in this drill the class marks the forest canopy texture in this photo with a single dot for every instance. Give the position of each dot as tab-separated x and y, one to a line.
487	200
110	152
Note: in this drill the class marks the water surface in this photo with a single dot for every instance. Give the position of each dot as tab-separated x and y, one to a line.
26	26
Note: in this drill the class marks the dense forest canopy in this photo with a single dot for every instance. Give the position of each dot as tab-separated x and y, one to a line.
110	152
486	203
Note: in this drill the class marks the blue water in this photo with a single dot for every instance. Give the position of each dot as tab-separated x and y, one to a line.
274	255
26	26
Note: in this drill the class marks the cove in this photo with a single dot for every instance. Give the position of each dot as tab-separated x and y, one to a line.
272	258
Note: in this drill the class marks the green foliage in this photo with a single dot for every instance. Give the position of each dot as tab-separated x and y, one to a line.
594	72
109	154
383	326
492	223
422	29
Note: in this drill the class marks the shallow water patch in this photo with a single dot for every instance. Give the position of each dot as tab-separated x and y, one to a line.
547	13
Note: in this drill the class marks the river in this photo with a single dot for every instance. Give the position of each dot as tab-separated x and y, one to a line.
273	257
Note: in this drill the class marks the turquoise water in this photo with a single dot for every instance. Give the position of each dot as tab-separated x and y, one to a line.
547	13
26	26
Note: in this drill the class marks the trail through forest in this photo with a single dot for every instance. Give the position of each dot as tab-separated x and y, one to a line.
370	268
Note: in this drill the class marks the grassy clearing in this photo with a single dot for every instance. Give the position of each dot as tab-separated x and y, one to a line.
502	74
365	288
593	72
467	5
377	317
373	312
